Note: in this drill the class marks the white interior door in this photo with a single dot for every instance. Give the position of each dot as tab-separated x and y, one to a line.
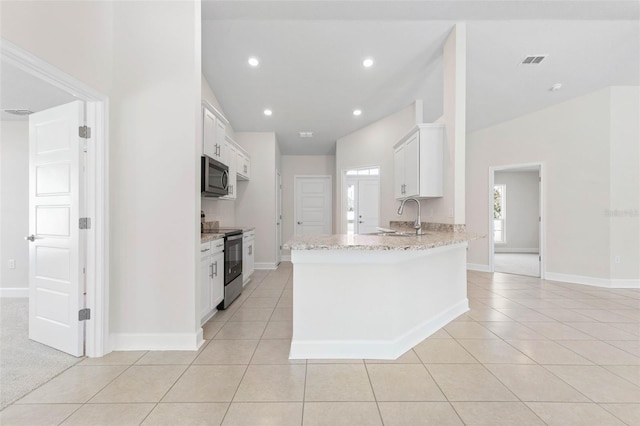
368	205
278	217
56	252
313	205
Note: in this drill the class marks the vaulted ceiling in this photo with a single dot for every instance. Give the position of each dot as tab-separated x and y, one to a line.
311	75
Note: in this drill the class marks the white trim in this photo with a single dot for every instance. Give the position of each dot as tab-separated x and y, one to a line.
542	213
157	341
478	267
97	329
592	281
516	250
14	292
265	265
380	349
286	258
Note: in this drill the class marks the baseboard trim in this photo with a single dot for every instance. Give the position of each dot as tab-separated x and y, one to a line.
517	250
14	292
381	349
591	281
477	267
157	341
265	265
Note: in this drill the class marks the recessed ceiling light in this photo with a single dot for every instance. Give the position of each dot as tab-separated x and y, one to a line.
367	63
556	87
268	112
357	112
253	61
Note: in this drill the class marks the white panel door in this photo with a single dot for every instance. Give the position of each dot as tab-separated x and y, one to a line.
278	217
56	251
313	205
368	205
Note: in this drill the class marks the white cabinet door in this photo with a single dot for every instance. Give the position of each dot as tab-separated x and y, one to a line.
411	167
205	280
220	142
398	170
251	254
209	147
243	166
232	156
217	284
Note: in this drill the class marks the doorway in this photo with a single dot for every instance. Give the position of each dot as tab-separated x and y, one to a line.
312	205
35	81
362	208
516	220
278	217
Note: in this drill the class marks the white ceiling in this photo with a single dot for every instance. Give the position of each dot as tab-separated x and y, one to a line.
311	52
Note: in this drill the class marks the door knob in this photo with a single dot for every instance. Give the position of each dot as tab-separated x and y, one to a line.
361	221
32	238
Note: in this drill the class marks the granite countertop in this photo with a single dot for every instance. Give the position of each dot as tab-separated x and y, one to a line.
376	242
212	235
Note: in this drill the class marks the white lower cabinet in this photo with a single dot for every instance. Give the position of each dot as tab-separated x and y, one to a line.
211	277
248	255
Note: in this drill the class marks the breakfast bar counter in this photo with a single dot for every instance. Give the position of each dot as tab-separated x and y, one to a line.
374	296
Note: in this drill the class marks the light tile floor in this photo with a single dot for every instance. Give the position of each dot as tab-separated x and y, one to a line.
529	352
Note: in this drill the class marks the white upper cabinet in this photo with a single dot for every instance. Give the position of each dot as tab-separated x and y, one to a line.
243	165
213	133
418	163
232	160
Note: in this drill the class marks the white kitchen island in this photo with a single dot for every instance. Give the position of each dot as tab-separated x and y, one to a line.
374	297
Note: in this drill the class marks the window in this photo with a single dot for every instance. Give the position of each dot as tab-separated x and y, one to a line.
499	213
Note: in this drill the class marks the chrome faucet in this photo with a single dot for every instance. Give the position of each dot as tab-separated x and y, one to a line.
418	224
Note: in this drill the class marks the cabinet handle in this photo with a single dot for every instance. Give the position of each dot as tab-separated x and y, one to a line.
202	251
216	271
361	221
211	270
250	249
219	245
299	223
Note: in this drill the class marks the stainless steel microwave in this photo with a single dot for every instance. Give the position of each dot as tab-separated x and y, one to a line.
215	178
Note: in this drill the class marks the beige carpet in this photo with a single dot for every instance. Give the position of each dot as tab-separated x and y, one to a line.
24	364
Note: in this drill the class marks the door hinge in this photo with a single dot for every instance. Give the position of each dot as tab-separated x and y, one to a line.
84	132
84	314
85	223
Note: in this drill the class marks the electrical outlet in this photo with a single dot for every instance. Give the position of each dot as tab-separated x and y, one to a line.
617	259
12	264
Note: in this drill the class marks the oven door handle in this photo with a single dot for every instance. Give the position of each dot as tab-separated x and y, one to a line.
234	237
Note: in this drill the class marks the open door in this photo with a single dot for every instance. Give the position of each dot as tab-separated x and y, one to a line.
56	252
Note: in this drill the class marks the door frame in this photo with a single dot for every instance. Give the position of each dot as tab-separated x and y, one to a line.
342	202
296	179
278	218
97	184
541	213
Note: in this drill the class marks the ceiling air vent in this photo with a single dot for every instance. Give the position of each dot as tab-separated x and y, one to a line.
18	111
306	134
533	59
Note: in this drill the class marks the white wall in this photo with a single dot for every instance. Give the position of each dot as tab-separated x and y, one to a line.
74	36
573	140
256	202
224	211
299	165
14	196
155	170
522	211
625	182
